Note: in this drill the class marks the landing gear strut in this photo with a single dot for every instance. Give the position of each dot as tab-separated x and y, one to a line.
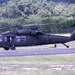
13	47
65	45
55	45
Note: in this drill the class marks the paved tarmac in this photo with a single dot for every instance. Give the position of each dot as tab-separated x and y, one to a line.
38	51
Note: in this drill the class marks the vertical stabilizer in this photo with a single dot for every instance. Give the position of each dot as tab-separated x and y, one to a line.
73	35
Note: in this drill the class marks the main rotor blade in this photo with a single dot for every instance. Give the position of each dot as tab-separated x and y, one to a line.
34	25
2	29
72	25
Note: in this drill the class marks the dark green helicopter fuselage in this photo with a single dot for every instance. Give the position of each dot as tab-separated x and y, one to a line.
10	40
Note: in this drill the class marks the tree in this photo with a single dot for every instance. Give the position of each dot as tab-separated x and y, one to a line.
37	11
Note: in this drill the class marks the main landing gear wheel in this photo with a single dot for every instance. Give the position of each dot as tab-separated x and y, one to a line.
6	48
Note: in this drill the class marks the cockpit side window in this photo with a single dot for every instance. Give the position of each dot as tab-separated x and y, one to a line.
7	39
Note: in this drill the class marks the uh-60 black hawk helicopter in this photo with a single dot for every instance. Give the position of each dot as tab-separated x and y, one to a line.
20	38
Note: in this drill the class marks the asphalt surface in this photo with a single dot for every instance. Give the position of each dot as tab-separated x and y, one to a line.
38	51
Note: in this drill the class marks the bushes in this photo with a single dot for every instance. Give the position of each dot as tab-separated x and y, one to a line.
58	15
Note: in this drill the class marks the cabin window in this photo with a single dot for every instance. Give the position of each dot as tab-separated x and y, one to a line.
20	38
17	38
23	38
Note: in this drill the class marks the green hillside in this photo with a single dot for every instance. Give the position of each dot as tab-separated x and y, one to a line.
37	11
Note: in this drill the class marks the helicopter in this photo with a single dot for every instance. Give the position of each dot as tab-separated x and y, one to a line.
21	38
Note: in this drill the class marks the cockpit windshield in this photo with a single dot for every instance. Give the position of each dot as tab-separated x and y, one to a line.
0	38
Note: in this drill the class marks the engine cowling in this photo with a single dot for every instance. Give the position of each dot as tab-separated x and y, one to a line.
24	32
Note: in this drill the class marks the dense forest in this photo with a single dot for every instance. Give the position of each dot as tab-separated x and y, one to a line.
59	14
70	1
